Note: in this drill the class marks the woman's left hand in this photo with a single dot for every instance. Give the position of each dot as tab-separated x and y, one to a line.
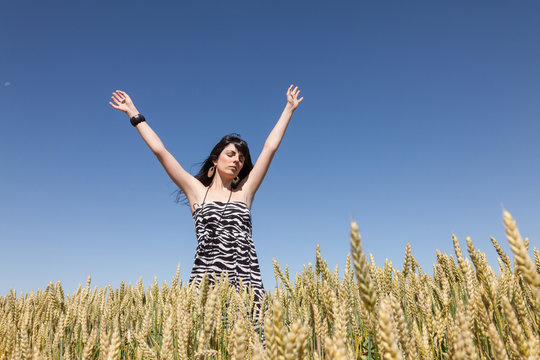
292	97
123	102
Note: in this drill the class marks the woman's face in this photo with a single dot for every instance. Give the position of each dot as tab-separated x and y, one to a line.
230	161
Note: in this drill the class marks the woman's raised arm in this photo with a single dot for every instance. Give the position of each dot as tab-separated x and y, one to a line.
184	180
257	174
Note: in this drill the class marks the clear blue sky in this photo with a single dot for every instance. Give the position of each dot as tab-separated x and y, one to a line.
420	119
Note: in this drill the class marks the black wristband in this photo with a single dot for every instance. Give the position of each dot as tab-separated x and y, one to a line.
137	119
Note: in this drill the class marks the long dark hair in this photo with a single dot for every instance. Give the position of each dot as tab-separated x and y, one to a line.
202	175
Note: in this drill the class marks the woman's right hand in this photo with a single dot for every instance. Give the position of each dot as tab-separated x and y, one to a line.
123	102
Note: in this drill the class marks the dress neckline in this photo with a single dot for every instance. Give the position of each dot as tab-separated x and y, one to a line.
221	202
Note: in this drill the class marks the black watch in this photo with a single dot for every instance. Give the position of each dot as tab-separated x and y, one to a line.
137	119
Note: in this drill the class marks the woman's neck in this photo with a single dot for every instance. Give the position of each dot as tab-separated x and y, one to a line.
221	185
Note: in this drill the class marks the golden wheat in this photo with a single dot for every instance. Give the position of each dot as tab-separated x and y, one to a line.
465	310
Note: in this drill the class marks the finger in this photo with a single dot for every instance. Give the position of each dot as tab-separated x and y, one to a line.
115	101
121	92
114	106
300	100
289	90
117	97
295	89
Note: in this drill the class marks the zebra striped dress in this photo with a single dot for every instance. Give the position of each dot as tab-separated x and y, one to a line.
224	243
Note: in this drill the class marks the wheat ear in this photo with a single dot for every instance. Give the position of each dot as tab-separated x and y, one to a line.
361	268
523	261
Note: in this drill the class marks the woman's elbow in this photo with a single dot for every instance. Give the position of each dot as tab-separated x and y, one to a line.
159	151
271	147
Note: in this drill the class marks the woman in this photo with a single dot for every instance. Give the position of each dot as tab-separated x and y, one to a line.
220	195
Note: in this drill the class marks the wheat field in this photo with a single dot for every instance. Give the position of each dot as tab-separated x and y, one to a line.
465	310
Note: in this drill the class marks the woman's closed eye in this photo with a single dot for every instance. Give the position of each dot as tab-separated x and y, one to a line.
240	158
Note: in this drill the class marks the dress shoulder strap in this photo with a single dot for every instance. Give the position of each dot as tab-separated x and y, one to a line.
205	194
